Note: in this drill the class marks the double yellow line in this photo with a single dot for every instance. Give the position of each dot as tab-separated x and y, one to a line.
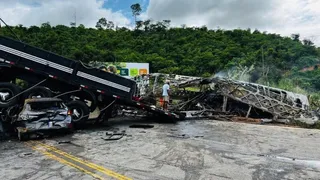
75	162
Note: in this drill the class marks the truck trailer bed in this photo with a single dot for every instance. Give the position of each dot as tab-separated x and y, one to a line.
46	63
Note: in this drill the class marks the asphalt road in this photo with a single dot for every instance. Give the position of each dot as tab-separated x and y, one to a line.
189	150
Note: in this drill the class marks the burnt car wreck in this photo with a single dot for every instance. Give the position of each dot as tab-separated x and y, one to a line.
196	97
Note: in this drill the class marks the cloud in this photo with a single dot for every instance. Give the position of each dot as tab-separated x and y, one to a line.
284	17
35	12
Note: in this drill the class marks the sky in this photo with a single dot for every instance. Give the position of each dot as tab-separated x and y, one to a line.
283	17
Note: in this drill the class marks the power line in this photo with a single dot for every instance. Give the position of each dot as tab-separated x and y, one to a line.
75	17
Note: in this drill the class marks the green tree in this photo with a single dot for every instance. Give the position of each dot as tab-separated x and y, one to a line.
102	22
196	51
295	37
136	10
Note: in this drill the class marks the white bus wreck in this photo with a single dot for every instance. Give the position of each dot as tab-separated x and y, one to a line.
196	97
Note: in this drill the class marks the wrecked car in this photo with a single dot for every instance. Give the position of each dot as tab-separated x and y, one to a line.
43	115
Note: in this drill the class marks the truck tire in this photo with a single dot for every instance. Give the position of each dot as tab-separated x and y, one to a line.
80	111
7	91
94	101
38	91
88	95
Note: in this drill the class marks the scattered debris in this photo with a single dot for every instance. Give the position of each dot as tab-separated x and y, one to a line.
64	142
198	136
144	126
266	120
184	136
25	154
113	136
247	120
69	142
276	157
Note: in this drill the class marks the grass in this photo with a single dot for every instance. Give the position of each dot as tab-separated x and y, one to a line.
316	125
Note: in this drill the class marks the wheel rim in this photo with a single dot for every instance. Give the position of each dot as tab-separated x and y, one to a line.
5	95
77	114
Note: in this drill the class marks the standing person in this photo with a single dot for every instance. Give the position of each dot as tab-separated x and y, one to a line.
165	94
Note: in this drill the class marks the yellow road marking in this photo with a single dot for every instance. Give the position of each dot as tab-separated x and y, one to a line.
63	161
83	162
89	164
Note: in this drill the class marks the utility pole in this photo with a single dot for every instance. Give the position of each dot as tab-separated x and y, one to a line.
262	56
75	17
262	60
74	23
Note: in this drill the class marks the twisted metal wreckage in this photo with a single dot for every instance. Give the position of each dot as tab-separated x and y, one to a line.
196	97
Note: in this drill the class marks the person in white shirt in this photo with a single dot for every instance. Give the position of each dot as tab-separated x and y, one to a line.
165	94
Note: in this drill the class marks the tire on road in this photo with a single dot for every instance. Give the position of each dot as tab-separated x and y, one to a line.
9	90
80	111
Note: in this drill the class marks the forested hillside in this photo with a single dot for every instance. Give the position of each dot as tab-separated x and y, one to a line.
194	51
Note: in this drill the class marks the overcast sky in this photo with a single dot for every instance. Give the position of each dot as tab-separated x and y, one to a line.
276	16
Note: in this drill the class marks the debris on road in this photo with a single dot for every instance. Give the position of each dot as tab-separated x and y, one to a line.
113	136
144	126
248	120
69	142
64	142
183	136
25	154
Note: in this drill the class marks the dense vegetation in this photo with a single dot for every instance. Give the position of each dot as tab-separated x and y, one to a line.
195	51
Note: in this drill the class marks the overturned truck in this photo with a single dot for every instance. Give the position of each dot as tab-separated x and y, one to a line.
196	97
